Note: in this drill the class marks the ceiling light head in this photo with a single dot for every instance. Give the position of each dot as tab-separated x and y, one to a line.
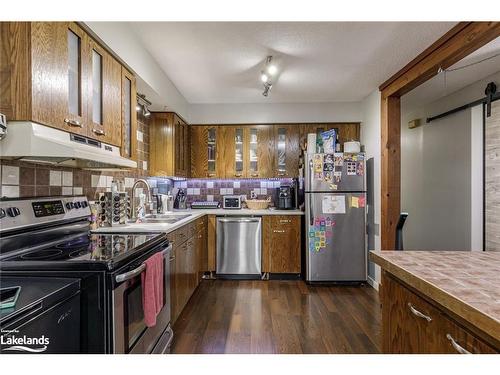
272	69
138	107
264	77
145	112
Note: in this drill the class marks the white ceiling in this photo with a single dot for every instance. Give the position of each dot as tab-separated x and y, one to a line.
216	62
447	83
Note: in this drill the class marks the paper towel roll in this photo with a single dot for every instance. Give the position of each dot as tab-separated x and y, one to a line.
311	143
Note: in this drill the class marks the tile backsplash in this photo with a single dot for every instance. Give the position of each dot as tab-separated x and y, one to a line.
213	190
23	179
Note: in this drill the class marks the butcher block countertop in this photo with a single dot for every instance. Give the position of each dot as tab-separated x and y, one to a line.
465	283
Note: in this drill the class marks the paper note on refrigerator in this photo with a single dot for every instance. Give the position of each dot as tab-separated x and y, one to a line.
355	202
333	204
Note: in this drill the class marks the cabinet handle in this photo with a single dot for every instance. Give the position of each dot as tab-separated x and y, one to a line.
98	132
211	174
285	221
278	231
281	173
456	346
415	312
74	123
237	175
255	175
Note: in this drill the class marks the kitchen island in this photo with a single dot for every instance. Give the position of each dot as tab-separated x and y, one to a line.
439	301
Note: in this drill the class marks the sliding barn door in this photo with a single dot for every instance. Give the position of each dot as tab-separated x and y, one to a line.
492	179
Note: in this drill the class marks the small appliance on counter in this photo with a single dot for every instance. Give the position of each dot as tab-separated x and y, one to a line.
180	202
232	202
285	198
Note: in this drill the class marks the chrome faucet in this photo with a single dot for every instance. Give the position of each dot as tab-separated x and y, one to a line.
149	201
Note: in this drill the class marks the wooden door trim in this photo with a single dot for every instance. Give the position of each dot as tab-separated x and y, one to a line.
460	41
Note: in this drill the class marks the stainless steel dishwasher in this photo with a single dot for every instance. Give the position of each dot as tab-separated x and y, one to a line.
239	247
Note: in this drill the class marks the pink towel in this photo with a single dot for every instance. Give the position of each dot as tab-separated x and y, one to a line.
152	288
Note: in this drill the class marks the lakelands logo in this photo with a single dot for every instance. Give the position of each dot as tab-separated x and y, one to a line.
12	343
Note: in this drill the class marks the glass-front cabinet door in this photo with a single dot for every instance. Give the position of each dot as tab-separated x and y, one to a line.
211	152
77	43
287	149
129	115
259	153
239	153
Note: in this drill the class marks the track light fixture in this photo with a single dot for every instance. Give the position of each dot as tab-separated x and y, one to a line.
268	74
142	105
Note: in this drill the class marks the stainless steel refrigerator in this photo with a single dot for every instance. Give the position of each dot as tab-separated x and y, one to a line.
335	201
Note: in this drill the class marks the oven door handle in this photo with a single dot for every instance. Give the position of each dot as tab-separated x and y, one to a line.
137	271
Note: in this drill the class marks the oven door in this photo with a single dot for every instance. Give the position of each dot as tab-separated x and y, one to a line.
131	335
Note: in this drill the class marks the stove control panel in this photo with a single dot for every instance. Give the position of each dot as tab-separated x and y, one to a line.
20	213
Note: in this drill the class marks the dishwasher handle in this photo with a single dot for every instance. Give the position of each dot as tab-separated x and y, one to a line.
250	220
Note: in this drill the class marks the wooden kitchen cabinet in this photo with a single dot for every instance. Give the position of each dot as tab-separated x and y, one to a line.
181	147
260	155
55	74
208	145
411	324
169	145
129	115
105	97
286	150
281	244
36	71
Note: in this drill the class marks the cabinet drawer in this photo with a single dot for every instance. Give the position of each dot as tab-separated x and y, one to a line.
413	325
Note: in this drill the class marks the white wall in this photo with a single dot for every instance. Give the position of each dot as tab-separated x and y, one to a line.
153	81
441	173
274	113
370	138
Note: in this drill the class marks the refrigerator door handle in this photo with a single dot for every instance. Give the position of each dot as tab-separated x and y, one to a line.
311	214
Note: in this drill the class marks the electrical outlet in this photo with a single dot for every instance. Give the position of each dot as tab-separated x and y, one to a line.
253	195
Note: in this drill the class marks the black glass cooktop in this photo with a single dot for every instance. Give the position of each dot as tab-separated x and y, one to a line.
89	247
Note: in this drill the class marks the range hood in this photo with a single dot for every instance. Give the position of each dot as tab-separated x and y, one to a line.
37	143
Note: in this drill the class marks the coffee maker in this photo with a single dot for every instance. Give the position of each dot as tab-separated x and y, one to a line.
285	198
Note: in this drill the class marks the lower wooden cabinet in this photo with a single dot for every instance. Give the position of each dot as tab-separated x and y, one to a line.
412	325
185	264
281	244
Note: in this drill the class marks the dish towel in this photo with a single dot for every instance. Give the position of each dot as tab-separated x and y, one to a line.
152	288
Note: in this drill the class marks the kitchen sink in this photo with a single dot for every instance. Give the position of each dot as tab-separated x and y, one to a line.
162	218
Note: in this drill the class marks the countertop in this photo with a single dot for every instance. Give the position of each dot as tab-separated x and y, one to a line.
193	215
466	283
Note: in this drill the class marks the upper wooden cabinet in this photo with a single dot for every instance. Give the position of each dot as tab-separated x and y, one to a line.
286	150
207	151
169	145
55	74
255	151
129	115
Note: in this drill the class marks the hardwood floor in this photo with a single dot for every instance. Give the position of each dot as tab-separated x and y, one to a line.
226	316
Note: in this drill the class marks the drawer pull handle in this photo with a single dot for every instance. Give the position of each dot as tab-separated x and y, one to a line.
456	346
74	123
415	312
285	221
98	132
278	231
